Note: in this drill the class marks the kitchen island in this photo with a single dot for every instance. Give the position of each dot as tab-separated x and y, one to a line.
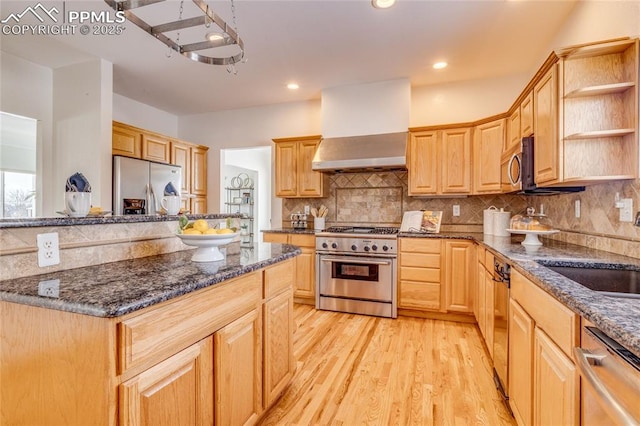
116	343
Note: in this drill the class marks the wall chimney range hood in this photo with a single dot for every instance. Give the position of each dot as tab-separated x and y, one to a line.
360	153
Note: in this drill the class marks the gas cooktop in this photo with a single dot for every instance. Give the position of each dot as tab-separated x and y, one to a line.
361	230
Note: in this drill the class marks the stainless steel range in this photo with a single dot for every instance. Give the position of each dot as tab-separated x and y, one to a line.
356	270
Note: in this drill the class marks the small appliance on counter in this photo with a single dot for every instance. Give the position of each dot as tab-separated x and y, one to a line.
298	220
134	206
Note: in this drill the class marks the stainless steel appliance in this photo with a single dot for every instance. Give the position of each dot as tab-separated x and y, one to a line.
528	177
141	180
356	270
501	283
610	380
511	172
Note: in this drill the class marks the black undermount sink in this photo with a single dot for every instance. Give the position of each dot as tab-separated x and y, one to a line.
611	282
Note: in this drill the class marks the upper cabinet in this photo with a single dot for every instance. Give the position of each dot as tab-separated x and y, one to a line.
126	141
134	142
439	161
294	176
545	123
488	140
155	148
599	94
519	123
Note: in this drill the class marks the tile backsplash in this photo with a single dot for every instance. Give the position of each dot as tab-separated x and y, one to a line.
380	198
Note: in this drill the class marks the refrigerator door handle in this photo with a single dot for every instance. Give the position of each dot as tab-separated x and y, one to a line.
154	201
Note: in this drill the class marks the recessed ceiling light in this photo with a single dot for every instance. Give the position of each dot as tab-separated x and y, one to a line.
293	86
439	65
214	36
382	4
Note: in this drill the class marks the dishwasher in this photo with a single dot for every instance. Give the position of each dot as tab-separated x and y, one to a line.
610	377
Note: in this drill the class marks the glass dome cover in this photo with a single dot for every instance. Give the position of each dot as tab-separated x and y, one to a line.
531	221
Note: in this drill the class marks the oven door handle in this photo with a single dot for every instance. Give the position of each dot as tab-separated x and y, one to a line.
584	362
360	262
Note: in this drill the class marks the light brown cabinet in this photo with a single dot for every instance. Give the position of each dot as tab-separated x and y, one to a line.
279	362
181	156
278	345
586	116
294	175
238	371
134	142
439	161
304	287
484	297
545	122
543	382
178	390
419	279
488	140
519	123
126	141
521	328
436	275
155	148
599	98
460	257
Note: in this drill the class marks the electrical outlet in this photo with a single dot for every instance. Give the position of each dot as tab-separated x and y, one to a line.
456	210
48	249
49	288
626	212
577	209
306	209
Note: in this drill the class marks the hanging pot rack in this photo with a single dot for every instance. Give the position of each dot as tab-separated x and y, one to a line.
189	50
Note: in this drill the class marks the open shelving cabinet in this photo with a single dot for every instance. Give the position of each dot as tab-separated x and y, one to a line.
599	104
241	200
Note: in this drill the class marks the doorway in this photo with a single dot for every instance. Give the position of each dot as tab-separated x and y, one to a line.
255	163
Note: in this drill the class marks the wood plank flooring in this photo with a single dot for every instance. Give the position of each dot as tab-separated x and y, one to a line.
355	369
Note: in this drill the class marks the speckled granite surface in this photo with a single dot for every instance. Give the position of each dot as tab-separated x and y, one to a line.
99	220
117	288
289	231
616	316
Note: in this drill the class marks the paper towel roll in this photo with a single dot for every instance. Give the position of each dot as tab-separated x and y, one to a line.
501	222
488	220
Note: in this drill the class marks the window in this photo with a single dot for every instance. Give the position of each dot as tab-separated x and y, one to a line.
18	140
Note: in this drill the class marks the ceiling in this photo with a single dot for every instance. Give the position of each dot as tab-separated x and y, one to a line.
318	44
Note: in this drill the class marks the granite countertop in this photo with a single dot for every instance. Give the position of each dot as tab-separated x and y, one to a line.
290	231
118	288
100	220
617	316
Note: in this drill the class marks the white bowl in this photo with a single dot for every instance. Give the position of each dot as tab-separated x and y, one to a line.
207	245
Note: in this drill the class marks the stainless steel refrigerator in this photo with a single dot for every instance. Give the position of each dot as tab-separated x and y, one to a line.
135	179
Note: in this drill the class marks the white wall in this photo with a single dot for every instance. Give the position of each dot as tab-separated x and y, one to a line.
248	127
599	20
464	101
366	109
27	90
146	117
82	111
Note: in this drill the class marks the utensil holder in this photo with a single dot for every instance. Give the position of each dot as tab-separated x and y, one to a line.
318	223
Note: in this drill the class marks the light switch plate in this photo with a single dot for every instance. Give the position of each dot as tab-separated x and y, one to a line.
577	209
626	212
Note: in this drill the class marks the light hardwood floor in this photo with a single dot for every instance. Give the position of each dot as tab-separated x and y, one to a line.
356	369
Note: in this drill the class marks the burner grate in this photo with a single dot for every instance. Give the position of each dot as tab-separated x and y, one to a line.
362	230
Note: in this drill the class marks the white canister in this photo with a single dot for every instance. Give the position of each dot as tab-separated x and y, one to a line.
501	222
487	220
